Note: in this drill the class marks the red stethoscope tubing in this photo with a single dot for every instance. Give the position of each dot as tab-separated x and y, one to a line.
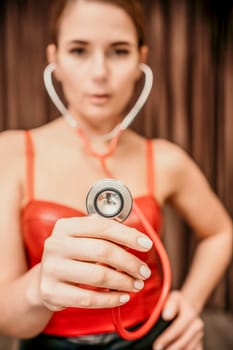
165	264
166	286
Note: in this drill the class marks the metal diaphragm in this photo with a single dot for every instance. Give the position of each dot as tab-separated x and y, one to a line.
109	198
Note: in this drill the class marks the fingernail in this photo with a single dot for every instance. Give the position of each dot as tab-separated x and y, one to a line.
124	298
145	242
145	271
158	347
167	313
138	284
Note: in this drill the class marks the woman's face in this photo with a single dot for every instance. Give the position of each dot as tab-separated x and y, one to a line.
97	59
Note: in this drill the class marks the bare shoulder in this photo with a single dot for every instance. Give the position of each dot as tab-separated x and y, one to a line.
174	168
11	146
171	155
11	138
12	154
12	142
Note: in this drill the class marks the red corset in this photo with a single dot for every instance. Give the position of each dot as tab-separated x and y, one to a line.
38	219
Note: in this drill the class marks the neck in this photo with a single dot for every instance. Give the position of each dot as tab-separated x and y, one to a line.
90	138
99	150
94	129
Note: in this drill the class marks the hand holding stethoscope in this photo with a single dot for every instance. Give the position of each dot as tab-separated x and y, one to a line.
86	264
112	199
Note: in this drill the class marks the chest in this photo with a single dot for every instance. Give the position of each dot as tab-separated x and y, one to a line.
66	177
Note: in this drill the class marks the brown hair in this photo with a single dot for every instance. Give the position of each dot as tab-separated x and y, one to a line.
133	8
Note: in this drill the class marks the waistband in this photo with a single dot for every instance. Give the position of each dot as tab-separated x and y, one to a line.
107	341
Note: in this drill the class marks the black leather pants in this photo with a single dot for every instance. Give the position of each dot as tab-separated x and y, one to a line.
99	342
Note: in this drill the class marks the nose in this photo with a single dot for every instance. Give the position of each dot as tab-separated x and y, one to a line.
99	67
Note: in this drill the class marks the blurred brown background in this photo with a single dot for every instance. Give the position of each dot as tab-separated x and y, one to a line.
191	104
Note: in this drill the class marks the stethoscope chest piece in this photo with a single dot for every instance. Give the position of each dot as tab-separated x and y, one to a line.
109	198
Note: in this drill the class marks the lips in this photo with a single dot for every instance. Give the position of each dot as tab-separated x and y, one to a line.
99	98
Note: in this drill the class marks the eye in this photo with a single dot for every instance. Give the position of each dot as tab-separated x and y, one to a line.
79	51
120	52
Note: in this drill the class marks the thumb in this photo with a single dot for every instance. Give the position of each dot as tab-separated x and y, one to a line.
171	307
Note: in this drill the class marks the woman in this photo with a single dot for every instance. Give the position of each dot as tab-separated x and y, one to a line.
64	271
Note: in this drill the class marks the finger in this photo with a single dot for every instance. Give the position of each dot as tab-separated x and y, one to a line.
175	330
172	306
198	347
197	343
99	227
96	250
96	275
189	338
61	295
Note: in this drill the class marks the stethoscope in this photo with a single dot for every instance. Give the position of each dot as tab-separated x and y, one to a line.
110	198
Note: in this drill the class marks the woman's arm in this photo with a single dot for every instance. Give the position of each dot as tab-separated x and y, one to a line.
192	196
21	316
200	207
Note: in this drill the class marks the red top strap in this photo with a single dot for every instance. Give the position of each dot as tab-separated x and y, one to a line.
29	149
150	167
